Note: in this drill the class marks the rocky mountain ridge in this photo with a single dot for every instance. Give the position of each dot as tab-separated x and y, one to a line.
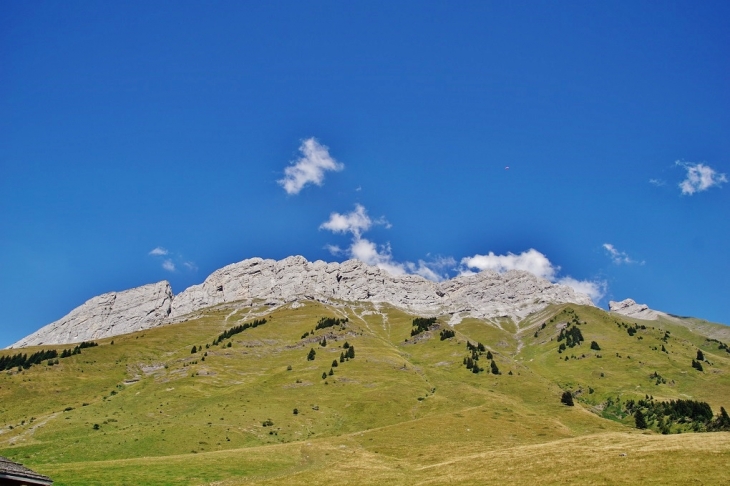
488	294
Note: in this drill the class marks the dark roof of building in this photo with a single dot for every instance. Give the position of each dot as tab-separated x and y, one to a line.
18	472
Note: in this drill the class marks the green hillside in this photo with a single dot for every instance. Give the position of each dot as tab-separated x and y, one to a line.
379	402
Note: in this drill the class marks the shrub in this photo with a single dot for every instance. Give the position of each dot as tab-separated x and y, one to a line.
594	345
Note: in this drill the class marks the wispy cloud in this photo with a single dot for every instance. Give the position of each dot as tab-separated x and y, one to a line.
657	182
700	177
537	264
618	257
172	262
358	222
309	168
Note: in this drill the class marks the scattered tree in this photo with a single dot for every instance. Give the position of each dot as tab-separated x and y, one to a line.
700	355
567	399
194	350
334	363
311	355
594	345
639	419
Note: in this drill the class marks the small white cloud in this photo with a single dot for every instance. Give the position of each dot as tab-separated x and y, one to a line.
596	290
700	177
657	182
191	266
159	251
168	265
309	168
619	257
358	222
355	222
530	261
534	262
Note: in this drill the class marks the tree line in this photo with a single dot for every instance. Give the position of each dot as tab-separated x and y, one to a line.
23	361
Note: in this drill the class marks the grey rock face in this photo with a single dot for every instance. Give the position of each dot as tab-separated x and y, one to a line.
515	294
107	315
630	308
484	295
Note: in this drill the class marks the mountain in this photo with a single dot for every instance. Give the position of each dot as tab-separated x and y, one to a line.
311	392
485	295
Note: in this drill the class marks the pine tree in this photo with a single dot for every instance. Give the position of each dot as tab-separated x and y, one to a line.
311	355
594	345
495	370
567	399
700	355
489	355
194	350
332	372
639	419
351	352
334	363
323	343
324	375
342	357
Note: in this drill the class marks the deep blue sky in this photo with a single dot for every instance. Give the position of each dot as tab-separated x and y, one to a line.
129	126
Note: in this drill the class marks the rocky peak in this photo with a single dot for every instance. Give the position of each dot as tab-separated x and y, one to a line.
515	294
630	308
484	295
107	315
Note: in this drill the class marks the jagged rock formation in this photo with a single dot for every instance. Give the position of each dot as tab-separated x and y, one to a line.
484	295
630	308
488	294
107	315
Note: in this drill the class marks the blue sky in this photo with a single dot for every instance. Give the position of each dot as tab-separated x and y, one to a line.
169	126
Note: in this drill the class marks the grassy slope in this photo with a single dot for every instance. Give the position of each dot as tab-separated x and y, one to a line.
403	410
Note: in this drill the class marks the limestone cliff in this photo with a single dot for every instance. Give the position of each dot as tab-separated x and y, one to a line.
487	294
107	315
630	308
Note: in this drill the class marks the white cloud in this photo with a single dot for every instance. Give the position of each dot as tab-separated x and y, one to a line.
530	261
619	257
355	222
168	265
309	168
700	177
190	266
159	251
657	182
534	262
596	290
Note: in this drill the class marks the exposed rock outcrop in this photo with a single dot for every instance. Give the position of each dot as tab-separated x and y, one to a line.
487	294
107	315
630	308
484	295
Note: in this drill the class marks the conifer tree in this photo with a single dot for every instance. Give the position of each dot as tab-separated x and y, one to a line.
639	419
194	350
567	399
700	355
334	363
495	370
489	355
311	355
